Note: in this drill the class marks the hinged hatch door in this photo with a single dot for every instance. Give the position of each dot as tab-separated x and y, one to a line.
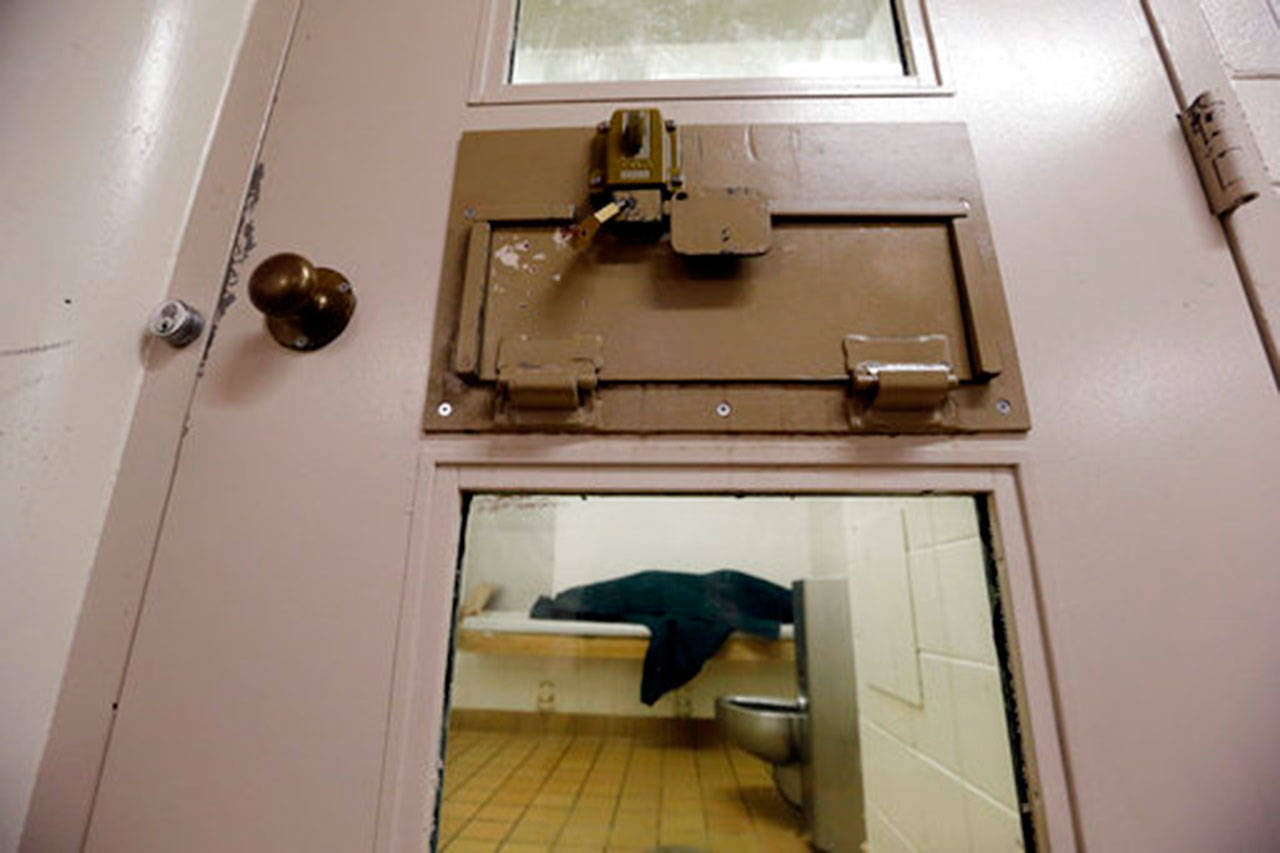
720	290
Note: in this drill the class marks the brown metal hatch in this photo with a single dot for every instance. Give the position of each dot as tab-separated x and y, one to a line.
773	278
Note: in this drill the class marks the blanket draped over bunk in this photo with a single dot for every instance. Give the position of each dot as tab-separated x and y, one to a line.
689	616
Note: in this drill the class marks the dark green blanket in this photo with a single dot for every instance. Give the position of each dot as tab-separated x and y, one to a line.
689	616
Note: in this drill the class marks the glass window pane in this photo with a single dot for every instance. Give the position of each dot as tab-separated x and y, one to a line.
715	672
574	41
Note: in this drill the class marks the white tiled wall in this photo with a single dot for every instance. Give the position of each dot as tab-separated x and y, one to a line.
1247	33
881	602
938	770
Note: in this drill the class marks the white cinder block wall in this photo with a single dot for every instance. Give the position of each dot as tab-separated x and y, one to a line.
1248	36
937	767
937	764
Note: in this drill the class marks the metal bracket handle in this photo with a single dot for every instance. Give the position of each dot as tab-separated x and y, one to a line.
901	374
550	374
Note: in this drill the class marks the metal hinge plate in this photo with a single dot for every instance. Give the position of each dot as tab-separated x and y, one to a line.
911	374
1223	150
556	375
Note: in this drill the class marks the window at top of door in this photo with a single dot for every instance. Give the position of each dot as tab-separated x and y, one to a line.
585	41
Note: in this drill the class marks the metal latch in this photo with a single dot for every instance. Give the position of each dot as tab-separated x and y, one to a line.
901	374
550	374
637	183
1223	150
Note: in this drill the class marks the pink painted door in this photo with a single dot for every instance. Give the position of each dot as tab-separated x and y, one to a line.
254	712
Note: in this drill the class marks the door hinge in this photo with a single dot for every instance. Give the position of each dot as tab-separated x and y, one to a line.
901	374
1223	150
550	375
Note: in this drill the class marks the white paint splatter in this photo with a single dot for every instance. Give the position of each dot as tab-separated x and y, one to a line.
562	238
539	256
508	255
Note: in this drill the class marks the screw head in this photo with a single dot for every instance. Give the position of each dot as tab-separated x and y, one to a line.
1004	407
670	124
444	410
469	212
300	342
724	410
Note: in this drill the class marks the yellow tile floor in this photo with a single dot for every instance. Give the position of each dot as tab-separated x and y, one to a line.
518	791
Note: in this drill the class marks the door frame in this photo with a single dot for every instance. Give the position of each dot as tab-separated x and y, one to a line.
1194	65
450	468
207	261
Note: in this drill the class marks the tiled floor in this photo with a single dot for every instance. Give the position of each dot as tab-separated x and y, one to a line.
512	791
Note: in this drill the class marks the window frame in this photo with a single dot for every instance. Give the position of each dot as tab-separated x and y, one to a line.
494	43
449	469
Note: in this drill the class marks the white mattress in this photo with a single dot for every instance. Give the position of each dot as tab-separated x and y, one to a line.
519	622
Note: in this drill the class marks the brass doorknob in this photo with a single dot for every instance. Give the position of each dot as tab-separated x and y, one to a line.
306	306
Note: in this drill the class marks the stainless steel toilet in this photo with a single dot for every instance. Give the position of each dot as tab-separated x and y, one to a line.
812	740
770	729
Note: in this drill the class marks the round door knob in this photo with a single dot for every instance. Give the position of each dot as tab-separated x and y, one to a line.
306	306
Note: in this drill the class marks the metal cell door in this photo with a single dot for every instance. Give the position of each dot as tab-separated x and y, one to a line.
253	714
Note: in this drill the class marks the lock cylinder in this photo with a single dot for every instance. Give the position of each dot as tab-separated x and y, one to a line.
175	322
